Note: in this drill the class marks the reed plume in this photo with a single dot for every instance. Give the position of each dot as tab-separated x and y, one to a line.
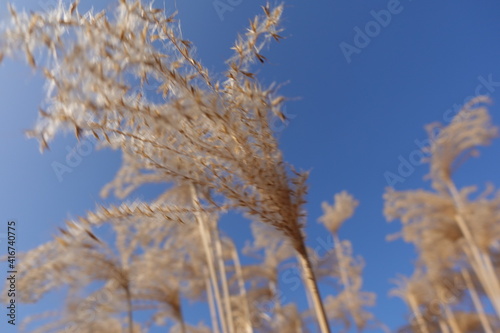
455	234
215	136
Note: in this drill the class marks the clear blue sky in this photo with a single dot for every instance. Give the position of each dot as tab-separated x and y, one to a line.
354	119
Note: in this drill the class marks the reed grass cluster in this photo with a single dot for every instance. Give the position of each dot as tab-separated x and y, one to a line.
455	231
212	145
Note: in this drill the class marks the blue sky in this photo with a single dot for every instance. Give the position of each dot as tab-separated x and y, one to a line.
352	118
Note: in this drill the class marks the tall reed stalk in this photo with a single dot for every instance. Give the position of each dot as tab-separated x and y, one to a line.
214	281
480	261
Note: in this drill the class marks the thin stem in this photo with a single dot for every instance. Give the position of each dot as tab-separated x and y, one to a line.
222	272
442	325
477	302
479	260
450	318
180	315
129	310
211	305
343	274
340	259
277	301
209	257
243	291
312	287
416	310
